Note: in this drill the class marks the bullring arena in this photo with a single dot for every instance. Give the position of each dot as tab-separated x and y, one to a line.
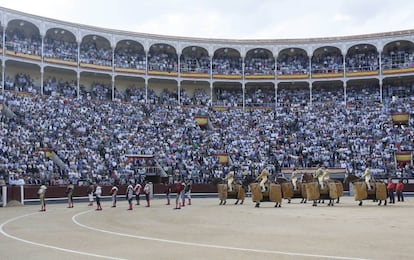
85	105
205	230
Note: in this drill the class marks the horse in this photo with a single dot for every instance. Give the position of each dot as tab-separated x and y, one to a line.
289	193
239	191
377	193
273	193
331	191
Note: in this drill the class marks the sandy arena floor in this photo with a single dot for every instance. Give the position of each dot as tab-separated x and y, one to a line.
206	230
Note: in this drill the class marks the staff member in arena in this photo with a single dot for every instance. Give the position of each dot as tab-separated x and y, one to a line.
187	191
391	189
179	187
400	189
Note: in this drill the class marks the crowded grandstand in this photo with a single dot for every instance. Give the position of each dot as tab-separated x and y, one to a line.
78	101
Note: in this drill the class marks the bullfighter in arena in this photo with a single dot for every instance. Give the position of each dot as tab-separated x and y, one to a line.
69	192
130	195
42	192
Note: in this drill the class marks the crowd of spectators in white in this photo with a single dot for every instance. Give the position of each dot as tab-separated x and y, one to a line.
294	63
93	136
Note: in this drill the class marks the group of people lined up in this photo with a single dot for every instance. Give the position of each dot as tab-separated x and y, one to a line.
133	190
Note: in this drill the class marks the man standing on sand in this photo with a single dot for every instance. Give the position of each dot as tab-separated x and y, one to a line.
187	191
390	189
90	192
69	192
178	189
98	194
42	192
114	192
167	192
137	190
400	189
130	195
147	191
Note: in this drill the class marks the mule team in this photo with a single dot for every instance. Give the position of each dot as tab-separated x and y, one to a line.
313	187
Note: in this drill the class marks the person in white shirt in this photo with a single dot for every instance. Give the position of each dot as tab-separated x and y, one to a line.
42	192
137	190
367	176
147	191
130	195
98	194
114	192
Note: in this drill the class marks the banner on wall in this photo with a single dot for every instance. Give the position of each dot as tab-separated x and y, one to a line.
400	118
403	157
201	120
223	158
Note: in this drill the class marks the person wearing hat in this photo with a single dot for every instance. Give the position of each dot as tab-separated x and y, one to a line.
42	192
391	189
130	195
114	192
137	190
179	187
69	193
98	194
326	175
230	180
319	175
367	176
147	192
294	178
263	179
90	191
400	188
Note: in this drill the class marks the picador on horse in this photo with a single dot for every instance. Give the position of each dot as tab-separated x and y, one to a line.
367	188
323	188
265	190
232	188
293	188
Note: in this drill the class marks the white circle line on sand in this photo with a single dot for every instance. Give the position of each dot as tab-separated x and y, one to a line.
2	231
207	245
